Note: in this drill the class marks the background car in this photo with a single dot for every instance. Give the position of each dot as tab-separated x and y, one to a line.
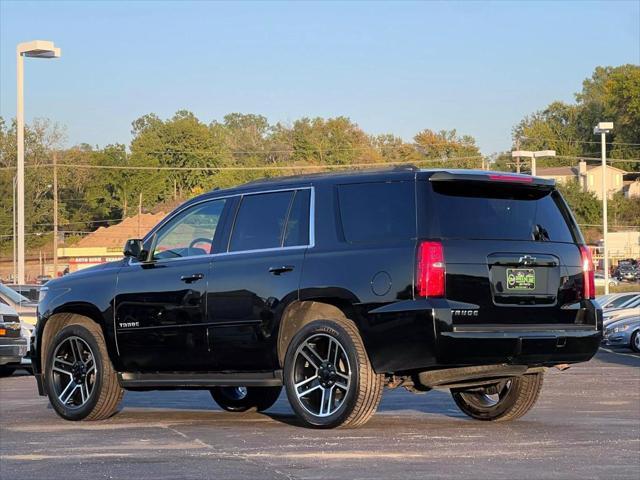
599	280
630	308
617	300
624	332
14	341
25	307
31	292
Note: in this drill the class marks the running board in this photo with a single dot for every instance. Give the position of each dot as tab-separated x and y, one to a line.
194	380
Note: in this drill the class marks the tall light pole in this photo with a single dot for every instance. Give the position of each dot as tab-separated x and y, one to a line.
15	246
603	128
533	156
35	49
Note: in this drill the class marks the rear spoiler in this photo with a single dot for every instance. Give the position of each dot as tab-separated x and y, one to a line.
487	176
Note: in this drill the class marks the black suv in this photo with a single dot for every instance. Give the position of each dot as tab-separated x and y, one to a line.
333	286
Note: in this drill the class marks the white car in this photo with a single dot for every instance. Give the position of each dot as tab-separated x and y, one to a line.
15	337
599	280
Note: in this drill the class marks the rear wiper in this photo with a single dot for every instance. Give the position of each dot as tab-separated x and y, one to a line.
540	234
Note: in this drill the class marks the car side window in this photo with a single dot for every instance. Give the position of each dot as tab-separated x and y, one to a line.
297	230
373	212
260	221
190	233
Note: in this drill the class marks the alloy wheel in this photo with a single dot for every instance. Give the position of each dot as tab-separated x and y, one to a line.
74	372
489	396
321	375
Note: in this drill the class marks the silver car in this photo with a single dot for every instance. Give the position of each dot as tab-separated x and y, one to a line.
14	341
624	332
617	300
628	309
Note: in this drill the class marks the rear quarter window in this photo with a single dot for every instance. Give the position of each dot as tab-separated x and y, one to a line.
373	212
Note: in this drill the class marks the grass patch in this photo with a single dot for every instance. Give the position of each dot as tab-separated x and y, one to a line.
620	288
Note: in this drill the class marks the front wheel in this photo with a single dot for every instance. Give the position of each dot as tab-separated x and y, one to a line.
635	341
79	379
506	400
242	399
329	379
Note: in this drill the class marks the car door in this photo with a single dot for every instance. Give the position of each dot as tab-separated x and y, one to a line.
252	282
160	307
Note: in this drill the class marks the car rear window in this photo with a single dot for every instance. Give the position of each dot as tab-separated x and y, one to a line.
372	212
484	210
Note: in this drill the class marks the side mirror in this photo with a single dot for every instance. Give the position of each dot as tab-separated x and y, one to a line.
133	248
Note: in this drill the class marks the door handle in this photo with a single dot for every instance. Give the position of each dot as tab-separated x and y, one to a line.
281	269
192	278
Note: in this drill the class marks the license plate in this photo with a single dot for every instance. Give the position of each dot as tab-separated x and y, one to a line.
521	279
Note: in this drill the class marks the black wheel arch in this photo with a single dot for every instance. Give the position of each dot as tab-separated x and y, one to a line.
60	315
301	312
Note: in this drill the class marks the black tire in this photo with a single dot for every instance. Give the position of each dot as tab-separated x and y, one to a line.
99	393
6	370
516	396
243	399
357	402
635	341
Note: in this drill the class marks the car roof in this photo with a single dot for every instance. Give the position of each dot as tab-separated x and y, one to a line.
397	173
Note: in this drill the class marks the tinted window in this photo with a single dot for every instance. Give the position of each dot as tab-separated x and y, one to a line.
297	232
190	233
502	212
377	211
260	221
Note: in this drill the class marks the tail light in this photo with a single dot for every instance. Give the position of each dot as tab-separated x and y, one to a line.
588	282
430	270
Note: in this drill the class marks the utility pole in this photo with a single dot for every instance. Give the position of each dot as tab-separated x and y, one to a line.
20	174
518	157
55	214
15	244
603	128
34	49
139	213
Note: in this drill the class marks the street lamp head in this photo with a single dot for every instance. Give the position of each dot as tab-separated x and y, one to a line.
603	127
39	49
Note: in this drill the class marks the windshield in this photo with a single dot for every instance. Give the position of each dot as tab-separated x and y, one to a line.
12	295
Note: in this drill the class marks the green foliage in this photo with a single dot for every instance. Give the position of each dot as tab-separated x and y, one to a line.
585	205
611	94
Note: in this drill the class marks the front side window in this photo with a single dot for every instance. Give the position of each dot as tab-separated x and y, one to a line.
190	233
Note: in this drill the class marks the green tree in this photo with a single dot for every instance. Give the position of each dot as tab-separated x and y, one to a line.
610	94
446	145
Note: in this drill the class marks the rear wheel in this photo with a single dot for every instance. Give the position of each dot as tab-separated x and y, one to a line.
242	399
329	379
507	400
635	341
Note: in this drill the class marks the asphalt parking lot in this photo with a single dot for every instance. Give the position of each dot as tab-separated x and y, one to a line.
586	425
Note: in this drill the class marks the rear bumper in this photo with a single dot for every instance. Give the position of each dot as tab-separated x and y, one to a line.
420	334
518	347
12	350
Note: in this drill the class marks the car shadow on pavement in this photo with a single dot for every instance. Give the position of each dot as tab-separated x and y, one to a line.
395	402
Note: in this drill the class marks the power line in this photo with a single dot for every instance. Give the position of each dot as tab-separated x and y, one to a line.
590	142
262	168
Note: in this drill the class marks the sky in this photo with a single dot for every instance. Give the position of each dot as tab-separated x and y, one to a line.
477	67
